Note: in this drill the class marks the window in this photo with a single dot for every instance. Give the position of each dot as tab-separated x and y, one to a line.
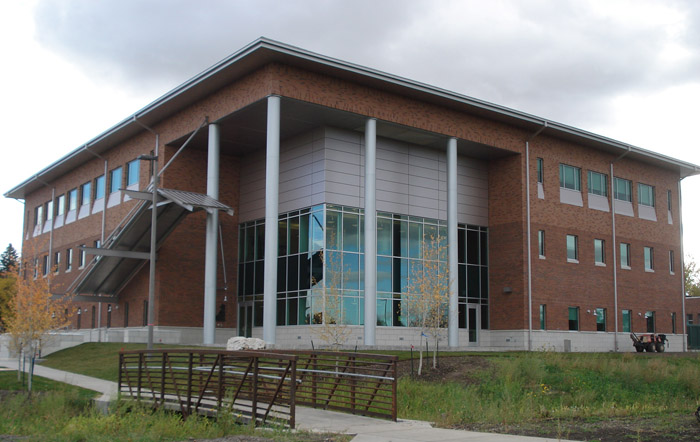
689	319
109	315
85	193
132	172
623	189
543	317
100	187
597	183
45	265
540	242
126	314
60	205
645	195
49	210
73	199
115	180
626	321
573	318
39	215
669	198
36	267
649	259
145	313
599	248
671	263
625	255
69	260
673	323
540	170
81	257
94	316
569	177
651	321
600	319
572	248
56	261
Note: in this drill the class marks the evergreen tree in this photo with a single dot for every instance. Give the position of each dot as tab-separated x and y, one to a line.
9	259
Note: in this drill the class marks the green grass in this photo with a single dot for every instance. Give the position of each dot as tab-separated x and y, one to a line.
9	382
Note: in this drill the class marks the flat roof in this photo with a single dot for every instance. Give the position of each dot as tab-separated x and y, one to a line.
264	51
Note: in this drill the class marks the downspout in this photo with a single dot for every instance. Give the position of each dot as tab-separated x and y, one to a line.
680	218
614	241
102	237
529	239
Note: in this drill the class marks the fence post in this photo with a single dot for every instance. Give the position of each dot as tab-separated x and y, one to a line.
221	382
140	373
163	357
293	394
121	367
189	385
254	409
393	389
313	379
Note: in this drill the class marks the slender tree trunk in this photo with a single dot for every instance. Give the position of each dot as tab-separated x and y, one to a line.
420	359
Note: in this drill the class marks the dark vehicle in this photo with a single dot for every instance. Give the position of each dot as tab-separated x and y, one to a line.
650	342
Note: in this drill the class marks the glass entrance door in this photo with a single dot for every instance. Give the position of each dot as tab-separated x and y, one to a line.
473	322
245	319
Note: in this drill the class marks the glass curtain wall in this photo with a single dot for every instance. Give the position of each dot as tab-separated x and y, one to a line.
321	248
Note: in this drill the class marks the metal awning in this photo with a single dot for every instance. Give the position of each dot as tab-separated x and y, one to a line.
128	248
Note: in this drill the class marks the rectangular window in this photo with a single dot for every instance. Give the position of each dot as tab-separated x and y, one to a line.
669	198
115	180
626	321
651	321
625	255
599	248
81	257
689	319
572	248
540	170
623	189
540	243
645	195
39	215
648	259
85	193
132	172
671	263
597	183
673	323
573	318
73	199
569	177
100	187
56	262
45	265
543	317
600	319
69	259
49	210
60	205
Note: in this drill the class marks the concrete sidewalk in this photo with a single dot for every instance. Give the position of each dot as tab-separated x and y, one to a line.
366	429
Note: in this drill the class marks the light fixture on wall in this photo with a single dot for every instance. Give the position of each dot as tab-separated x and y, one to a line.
507	290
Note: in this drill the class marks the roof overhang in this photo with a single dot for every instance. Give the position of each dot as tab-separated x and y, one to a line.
265	51
126	250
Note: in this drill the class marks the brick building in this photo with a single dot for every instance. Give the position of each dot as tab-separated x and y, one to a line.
554	237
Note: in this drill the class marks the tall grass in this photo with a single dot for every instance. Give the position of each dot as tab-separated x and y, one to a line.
527	387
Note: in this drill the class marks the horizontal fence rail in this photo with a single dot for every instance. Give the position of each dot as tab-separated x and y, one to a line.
260	386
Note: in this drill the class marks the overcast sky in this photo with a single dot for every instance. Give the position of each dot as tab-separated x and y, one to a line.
629	70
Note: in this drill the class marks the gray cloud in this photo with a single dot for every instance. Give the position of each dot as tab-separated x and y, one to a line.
562	60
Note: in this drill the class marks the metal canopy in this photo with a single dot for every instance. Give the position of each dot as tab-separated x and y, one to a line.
110	272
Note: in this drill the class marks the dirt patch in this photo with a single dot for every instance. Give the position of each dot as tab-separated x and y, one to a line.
461	369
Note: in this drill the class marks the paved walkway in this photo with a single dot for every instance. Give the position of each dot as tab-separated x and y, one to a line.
367	429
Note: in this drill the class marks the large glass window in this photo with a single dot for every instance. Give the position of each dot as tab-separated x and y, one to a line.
572	247
597	183
132	172
645	195
599	251
573	318
115	180
569	177
623	189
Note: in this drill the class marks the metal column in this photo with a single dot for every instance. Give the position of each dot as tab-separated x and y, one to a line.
210	256
452	243
271	214
370	231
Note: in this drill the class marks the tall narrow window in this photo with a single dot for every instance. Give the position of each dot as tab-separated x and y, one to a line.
572	248
673	323
81	257
132	172
623	189
49	211
600	319
45	265
39	215
100	187
56	262
543	317
569	177
69	259
669	199
649	259
126	314
145	313
60	205
573	318
597	183
645	195
671	263
540	243
73	199
625	261
599	249
626	321
85	193
115	180
540	170
651	321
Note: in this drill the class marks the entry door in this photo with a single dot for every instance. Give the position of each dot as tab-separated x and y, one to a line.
473	322
245	319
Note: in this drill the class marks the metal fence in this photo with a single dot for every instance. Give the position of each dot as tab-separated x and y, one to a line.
260	386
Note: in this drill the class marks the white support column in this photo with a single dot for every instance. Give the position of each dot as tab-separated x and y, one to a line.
452	243
370	231
210	255
272	170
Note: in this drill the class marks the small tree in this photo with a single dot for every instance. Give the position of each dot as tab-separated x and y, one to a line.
691	274
334	330
428	294
8	289
9	259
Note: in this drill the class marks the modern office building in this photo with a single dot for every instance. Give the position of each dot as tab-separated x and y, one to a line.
269	164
